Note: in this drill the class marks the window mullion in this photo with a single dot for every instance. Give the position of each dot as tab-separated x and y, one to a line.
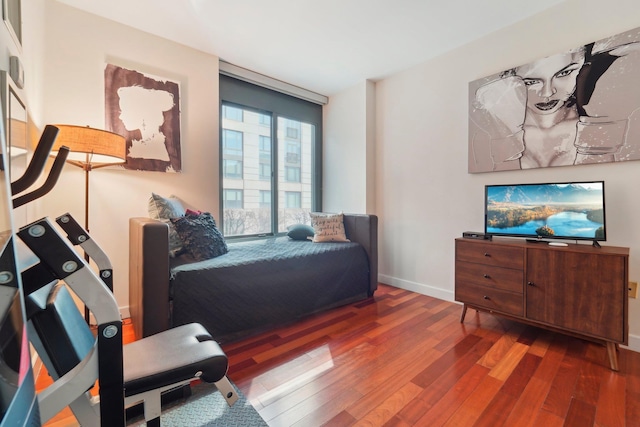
274	173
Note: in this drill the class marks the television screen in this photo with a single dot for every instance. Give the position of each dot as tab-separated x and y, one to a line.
570	210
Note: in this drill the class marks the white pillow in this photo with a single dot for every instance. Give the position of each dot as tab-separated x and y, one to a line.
328	227
165	207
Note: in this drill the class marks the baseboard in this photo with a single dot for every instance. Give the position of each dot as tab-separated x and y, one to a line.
634	340
634	343
420	288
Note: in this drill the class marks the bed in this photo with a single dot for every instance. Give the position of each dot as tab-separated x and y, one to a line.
257	285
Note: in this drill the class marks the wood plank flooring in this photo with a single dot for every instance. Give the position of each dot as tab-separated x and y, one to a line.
404	359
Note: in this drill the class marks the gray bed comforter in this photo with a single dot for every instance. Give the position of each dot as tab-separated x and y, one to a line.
245	290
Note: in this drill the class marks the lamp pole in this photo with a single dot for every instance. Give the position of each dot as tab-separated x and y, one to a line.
87	169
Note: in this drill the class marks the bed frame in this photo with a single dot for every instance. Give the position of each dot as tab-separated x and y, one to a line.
149	302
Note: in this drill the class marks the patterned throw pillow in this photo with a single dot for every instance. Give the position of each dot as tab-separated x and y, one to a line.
328	227
200	236
164	209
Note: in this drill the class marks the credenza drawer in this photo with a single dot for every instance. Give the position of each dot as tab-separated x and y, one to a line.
481	252
491	299
507	279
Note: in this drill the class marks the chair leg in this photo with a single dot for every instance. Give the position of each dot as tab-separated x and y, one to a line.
228	392
152	401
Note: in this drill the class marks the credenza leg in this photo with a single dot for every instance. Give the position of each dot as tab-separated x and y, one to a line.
464	313
613	355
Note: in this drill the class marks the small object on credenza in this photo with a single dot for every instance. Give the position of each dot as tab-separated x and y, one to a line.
475	235
558	244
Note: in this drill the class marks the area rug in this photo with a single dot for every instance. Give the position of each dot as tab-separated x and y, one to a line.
206	407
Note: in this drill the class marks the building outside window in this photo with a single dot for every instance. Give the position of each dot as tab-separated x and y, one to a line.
232	153
293	199
293	129
232	113
265	156
292	174
265	120
292	155
233	201
265	171
265	198
232	143
265	147
232	168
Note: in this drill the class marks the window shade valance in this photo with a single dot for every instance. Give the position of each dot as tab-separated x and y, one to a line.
249	76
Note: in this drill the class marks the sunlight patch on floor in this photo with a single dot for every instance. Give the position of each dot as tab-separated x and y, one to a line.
263	396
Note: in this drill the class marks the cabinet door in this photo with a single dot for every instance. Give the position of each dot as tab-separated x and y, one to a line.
581	292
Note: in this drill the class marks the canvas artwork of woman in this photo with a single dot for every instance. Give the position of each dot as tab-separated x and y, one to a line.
571	108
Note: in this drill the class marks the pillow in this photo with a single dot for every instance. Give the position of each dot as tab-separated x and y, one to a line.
163	209
200	236
300	232
328	227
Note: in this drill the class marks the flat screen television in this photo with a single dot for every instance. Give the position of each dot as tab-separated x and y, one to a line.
558	210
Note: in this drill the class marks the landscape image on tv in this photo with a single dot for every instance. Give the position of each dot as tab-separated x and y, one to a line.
558	210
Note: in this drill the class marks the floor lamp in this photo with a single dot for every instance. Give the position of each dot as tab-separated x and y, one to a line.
90	149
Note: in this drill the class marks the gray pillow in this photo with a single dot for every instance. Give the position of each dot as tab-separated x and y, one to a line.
300	232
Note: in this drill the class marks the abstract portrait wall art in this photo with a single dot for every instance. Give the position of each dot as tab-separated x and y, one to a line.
577	107
146	110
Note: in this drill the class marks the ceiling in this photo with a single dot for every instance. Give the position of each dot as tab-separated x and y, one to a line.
324	46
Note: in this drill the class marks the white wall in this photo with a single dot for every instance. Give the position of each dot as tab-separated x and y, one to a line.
425	196
77	46
32	57
349	151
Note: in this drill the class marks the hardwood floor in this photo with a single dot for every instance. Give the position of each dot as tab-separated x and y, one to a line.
404	359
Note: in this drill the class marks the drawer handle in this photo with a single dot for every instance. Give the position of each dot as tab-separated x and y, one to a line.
486	297
486	276
487	254
531	284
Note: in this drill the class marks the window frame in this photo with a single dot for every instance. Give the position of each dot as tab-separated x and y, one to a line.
248	96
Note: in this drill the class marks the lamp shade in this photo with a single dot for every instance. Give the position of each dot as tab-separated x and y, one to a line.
90	147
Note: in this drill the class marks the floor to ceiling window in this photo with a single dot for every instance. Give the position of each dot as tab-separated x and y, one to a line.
271	154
